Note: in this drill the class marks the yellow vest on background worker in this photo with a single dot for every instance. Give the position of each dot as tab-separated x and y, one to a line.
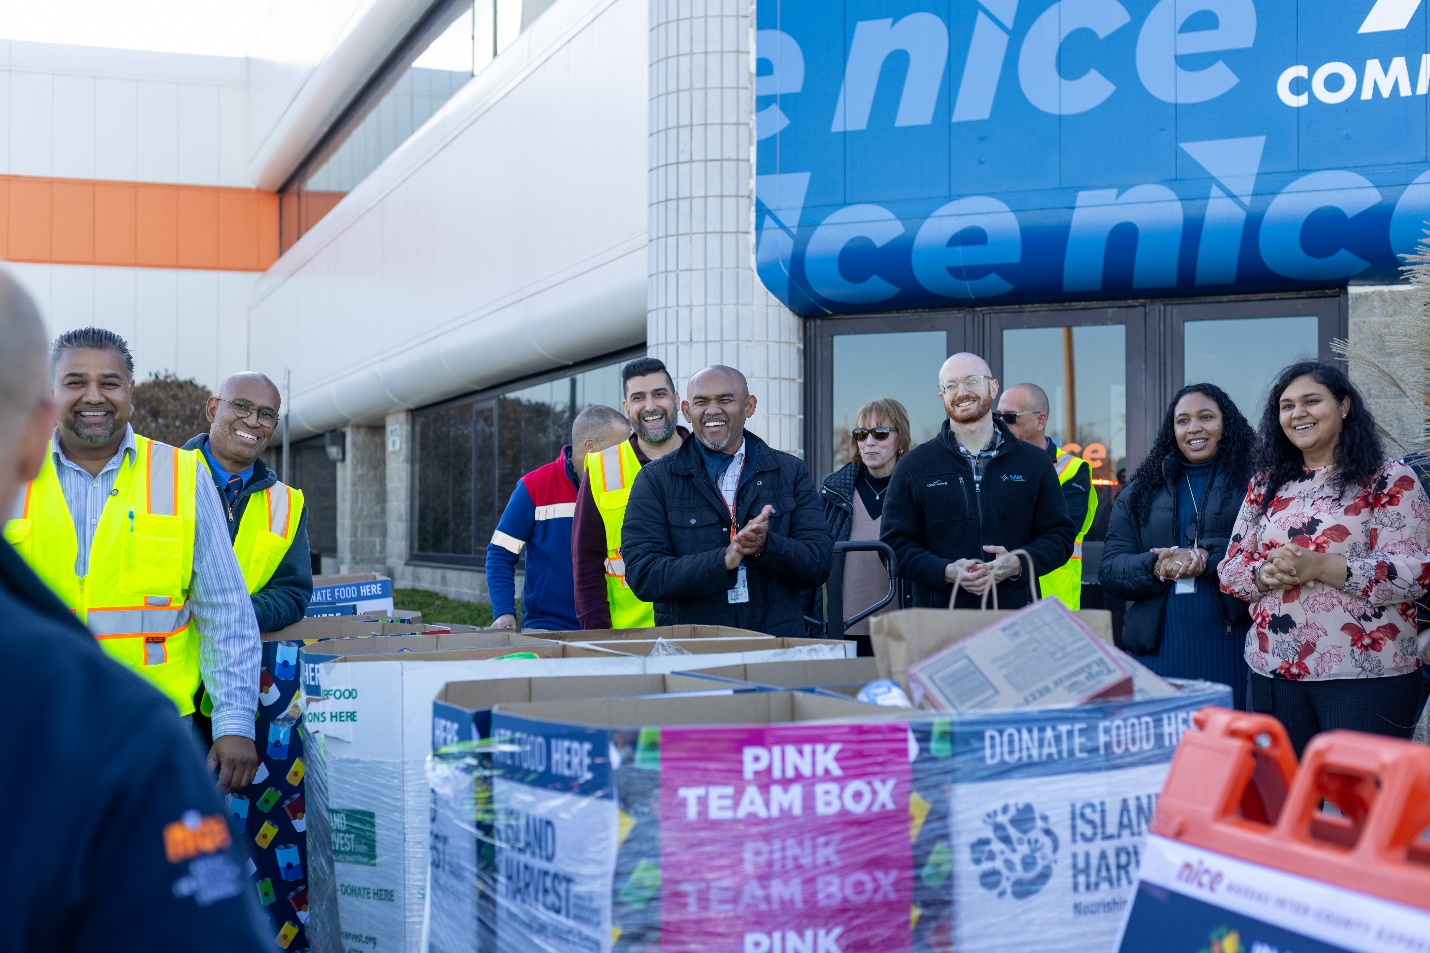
1065	582
611	473
269	526
134	597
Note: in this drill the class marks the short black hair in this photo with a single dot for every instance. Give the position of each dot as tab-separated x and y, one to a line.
91	338
642	366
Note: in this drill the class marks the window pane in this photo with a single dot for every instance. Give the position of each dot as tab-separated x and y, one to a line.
1084	371
444	481
1243	355
902	365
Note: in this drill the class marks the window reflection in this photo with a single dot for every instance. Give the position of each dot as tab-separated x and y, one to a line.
1243	355
903	365
471	455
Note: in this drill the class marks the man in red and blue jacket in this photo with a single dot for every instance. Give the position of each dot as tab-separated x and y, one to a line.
538	519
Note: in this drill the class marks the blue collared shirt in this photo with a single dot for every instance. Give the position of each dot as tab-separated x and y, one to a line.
230	652
222	476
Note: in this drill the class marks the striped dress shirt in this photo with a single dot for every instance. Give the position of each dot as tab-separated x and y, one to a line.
230	652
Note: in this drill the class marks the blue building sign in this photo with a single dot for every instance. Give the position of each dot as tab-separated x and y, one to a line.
946	153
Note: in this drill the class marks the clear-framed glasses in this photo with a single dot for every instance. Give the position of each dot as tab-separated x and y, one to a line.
243	409
967	383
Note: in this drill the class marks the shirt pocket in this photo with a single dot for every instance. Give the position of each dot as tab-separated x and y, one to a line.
153	560
947	499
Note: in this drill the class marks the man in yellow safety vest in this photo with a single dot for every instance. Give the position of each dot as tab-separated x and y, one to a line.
129	533
649	401
1024	408
267	522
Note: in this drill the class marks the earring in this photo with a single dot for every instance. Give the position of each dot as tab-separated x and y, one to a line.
1343	416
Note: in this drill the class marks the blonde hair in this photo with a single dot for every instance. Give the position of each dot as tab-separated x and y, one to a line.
885	408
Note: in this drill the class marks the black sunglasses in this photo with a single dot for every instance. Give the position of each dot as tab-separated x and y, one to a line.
880	433
1010	417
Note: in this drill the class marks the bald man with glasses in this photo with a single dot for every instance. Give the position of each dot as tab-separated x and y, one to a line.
960	504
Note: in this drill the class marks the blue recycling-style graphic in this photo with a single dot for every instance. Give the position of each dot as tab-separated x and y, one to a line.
950	153
1017	857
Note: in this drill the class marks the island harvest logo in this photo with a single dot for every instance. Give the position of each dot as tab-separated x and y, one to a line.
1017	857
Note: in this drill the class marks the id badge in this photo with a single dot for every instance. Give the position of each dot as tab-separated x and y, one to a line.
1185	586
741	592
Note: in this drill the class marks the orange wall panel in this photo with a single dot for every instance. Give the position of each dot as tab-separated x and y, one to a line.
137	224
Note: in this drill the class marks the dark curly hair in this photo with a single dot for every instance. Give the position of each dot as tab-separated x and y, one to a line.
1359	452
1235	455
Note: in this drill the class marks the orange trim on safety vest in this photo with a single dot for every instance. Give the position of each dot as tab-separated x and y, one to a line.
136	224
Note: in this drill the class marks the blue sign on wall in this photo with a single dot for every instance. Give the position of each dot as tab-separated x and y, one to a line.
936	153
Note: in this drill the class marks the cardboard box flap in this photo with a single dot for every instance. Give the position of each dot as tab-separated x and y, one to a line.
339	626
810	673
658	632
540	648
748	708
433	642
706	646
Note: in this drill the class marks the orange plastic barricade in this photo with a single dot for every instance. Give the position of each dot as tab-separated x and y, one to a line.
1249	855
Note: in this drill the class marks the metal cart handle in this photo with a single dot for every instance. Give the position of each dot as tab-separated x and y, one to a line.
886	554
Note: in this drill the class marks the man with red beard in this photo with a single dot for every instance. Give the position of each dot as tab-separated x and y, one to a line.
960	504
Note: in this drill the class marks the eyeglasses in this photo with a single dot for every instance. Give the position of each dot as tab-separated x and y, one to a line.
1010	417
967	383
243	409
879	433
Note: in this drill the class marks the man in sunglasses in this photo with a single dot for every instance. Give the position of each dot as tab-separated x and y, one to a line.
1024	408
959	505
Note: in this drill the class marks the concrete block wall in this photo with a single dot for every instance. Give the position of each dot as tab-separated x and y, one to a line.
362	502
1375	314
705	304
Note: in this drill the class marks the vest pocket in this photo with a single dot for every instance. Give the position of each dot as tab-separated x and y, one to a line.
17	534
153	563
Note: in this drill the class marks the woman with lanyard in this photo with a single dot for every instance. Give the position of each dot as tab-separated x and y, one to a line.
1169	529
853	498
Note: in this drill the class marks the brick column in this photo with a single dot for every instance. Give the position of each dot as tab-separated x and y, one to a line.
704	303
362	502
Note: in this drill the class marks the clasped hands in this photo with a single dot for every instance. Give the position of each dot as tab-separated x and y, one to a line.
1290	566
978	576
749	541
1174	562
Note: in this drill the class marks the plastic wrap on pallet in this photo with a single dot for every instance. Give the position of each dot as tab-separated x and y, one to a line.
1011	831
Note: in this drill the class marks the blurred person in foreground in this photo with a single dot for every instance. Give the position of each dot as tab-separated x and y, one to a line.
130	533
1169	530
1332	548
727	530
538	519
117	838
1024	408
853	498
651	403
961	503
267	521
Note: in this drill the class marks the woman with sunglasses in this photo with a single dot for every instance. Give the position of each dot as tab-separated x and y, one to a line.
1332	548
1169	529
853	498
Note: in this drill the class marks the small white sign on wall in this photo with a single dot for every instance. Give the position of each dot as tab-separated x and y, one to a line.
394	438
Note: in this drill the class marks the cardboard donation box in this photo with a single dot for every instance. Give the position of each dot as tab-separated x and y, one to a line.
758	822
676	655
463	864
350	594
367	727
1246	856
680	632
841	676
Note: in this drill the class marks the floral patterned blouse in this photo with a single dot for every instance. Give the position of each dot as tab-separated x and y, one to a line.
1367	627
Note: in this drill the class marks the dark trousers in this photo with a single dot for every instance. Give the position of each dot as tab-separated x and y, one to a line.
1379	706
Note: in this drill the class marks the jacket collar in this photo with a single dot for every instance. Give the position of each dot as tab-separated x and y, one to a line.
262	477
1006	445
687	460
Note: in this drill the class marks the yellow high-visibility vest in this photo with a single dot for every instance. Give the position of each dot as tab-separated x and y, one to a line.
1065	582
266	532
134	595
611	473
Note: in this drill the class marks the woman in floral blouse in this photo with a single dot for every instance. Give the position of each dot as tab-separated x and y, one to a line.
1332	548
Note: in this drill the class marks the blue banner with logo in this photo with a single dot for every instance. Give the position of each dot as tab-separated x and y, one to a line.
933	153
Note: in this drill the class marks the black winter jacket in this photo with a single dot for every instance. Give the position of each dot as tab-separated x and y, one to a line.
935	514
676	530
1126	568
284	598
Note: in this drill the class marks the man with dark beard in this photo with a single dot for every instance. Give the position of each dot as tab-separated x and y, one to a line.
958	505
603	599
727	530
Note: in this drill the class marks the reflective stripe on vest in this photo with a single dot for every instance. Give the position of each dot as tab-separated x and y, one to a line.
611	473
1065	582
266	533
134	594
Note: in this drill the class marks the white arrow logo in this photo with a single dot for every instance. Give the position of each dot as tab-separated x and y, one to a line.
1389	15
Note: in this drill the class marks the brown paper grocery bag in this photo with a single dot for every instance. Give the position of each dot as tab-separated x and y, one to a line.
906	636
